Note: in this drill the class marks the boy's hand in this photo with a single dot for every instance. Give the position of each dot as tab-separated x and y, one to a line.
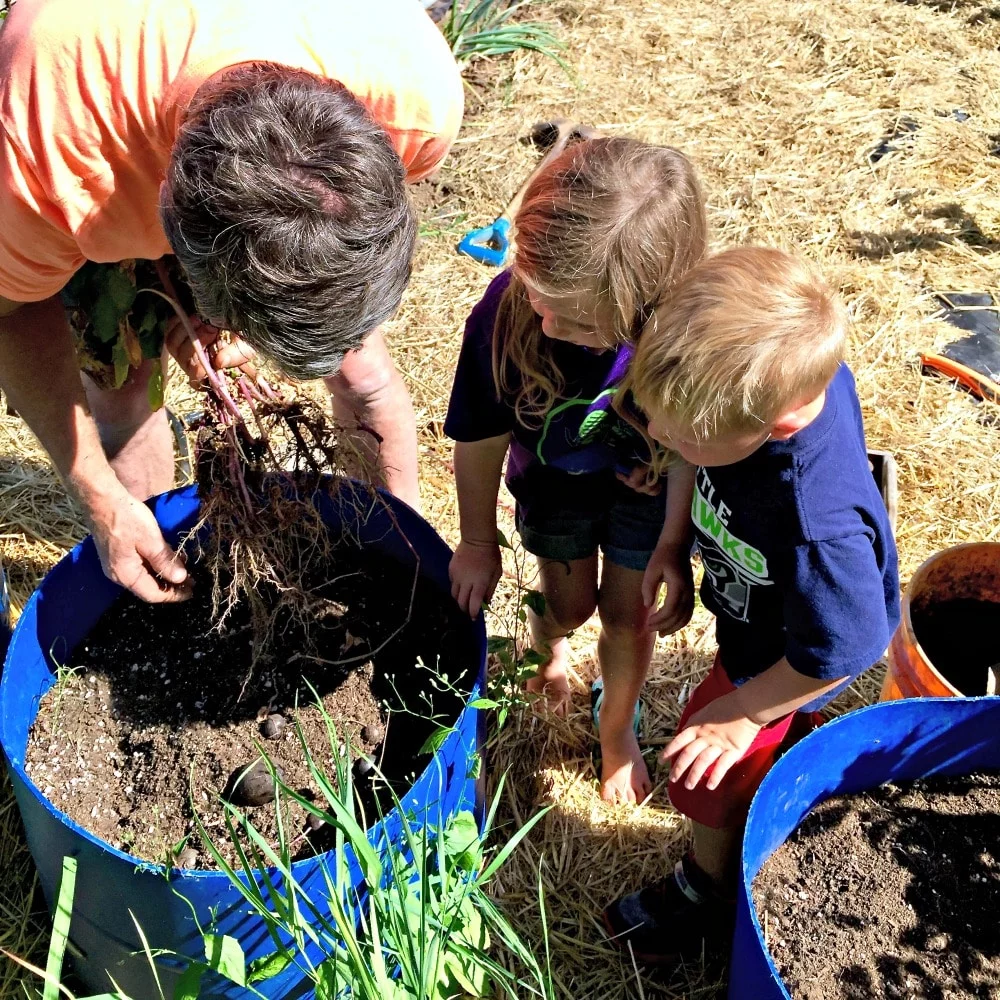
474	571
669	564
716	737
636	480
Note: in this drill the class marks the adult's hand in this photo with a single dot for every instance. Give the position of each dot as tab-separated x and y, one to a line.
369	394
222	352
39	373
133	551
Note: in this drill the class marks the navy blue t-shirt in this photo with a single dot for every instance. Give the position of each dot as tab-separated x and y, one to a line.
798	552
581	434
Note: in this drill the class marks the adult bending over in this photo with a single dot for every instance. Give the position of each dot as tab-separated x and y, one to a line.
267	148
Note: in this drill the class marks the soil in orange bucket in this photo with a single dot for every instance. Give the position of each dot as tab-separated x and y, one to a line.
961	637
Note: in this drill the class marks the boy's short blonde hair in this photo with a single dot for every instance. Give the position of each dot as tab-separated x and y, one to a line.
747	335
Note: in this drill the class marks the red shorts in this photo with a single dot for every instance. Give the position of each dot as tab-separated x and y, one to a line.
728	804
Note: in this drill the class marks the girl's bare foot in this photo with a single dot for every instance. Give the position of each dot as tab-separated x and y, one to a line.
552	684
624	777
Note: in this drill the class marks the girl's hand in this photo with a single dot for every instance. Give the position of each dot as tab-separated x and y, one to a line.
717	737
670	565
474	572
636	480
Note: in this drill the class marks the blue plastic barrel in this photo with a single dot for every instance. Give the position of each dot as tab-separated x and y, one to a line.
893	741
104	940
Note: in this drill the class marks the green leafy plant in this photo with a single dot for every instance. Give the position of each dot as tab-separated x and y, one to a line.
115	326
479	29
511	644
421	926
51	975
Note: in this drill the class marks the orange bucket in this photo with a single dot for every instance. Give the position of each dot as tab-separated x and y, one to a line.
953	590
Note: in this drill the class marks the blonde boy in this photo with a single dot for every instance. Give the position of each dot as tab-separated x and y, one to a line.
741	373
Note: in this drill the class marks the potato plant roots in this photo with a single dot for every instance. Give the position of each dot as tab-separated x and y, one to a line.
263	457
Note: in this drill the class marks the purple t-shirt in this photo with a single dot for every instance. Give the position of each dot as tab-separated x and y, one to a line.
581	435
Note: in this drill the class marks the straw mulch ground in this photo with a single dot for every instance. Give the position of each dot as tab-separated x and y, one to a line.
779	104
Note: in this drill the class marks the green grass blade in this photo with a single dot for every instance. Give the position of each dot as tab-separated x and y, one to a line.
60	929
511	846
149	955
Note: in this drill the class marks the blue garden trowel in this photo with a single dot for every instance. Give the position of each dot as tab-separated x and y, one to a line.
491	244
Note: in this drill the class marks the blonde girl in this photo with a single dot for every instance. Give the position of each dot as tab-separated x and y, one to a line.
601	237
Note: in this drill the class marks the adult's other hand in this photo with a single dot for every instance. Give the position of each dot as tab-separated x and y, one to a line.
134	552
222	352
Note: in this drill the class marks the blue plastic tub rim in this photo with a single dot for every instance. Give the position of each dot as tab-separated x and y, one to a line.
16	763
775	785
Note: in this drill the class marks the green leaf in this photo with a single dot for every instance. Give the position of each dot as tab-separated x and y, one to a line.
499	644
484	703
267	966
532	658
105	317
333	979
154	390
148	323
460	841
225	956
535	600
60	929
120	358
503	541
475	767
462	970
435	741
189	985
119	288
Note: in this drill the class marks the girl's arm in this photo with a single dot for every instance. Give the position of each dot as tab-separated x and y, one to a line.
670	563
475	567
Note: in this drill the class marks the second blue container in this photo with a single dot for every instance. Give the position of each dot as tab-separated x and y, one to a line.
111	885
893	741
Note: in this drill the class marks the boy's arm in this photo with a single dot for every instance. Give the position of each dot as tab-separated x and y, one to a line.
840	607
670	563
475	567
721	733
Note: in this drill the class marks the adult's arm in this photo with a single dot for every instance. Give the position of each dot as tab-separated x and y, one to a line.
39	374
369	393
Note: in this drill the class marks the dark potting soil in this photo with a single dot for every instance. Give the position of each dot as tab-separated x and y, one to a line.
154	710
892	893
961	638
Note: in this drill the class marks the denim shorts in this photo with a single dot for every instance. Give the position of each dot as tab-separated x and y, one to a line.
626	528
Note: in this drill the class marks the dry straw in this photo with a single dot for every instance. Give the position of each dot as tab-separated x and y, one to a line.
780	105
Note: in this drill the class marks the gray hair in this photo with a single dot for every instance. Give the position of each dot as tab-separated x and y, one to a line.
286	207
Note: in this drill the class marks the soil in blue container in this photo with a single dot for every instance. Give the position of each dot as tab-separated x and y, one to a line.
889	893
156	713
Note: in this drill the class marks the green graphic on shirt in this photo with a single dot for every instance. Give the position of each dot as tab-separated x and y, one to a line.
736	551
589	428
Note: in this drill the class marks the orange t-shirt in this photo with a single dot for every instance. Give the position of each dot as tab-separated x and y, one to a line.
92	93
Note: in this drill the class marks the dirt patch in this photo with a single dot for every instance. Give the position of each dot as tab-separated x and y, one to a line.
891	893
155	711
961	637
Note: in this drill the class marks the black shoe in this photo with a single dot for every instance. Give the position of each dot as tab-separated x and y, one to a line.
681	914
5	631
